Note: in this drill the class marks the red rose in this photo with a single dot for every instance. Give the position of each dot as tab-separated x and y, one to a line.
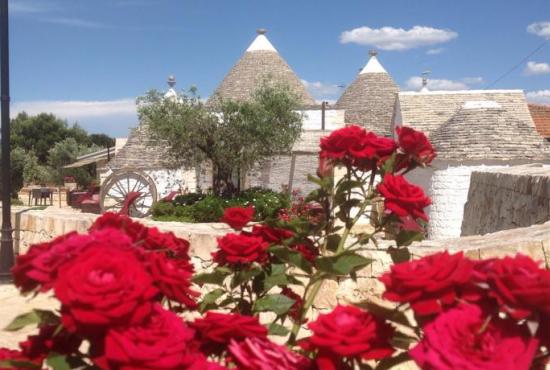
403	198
173	278
261	354
270	234
236	249
353	145
307	250
104	287
163	341
375	147
429	284
415	145
462	338
520	286
348	332
238	217
343	142
201	363
49	339
215	330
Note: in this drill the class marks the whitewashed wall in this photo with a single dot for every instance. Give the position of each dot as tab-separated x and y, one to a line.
448	187
334	119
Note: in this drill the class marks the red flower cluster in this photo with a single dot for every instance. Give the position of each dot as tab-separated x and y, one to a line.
261	354
109	283
240	249
473	311
462	338
348	333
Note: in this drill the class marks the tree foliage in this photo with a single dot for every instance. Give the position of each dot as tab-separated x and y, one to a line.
232	136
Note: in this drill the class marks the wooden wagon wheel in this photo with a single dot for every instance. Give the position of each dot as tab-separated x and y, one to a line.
118	185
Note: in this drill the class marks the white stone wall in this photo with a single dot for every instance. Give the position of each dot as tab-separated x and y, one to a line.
448	188
334	119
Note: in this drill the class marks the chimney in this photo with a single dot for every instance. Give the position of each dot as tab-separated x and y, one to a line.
425	75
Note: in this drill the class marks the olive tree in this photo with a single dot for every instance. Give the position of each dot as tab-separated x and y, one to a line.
232	135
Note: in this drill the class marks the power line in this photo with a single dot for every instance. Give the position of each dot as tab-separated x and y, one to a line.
536	50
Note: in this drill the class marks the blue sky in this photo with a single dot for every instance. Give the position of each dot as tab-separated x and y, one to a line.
87	60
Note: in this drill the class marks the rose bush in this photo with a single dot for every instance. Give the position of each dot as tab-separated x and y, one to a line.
129	296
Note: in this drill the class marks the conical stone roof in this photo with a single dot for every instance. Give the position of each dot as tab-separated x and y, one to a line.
483	130
260	62
370	99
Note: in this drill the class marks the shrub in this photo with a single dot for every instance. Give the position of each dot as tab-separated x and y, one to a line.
188	199
163	209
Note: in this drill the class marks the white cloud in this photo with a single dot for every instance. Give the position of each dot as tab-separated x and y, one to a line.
321	90
472	80
534	68
435	51
389	38
541	29
74	110
415	83
540	96
113	117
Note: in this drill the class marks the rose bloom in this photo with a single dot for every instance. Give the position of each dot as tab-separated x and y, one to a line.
375	147
215	330
104	287
237	249
173	278
520	286
270	234
344	142
462	338
238	217
163	341
403	198
430	283
262	354
348	332
415	145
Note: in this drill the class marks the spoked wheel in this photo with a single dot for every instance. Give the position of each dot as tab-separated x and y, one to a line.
116	188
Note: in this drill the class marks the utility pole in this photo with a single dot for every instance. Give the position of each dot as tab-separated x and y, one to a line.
6	238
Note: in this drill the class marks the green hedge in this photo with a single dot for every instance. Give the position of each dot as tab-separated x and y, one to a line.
198	207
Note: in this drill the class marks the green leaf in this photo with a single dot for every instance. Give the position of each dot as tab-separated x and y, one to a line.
343	263
348	185
58	362
406	237
292	257
325	183
277	277
210	298
390	362
277	303
244	276
32	317
215	277
388	313
276	329
399	255
333	241
8	364
388	165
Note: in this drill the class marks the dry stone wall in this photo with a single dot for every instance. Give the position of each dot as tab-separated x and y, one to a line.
507	198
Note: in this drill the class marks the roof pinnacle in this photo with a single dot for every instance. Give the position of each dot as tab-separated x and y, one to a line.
261	31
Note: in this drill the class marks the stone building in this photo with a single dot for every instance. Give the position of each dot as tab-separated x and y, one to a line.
471	130
370	99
